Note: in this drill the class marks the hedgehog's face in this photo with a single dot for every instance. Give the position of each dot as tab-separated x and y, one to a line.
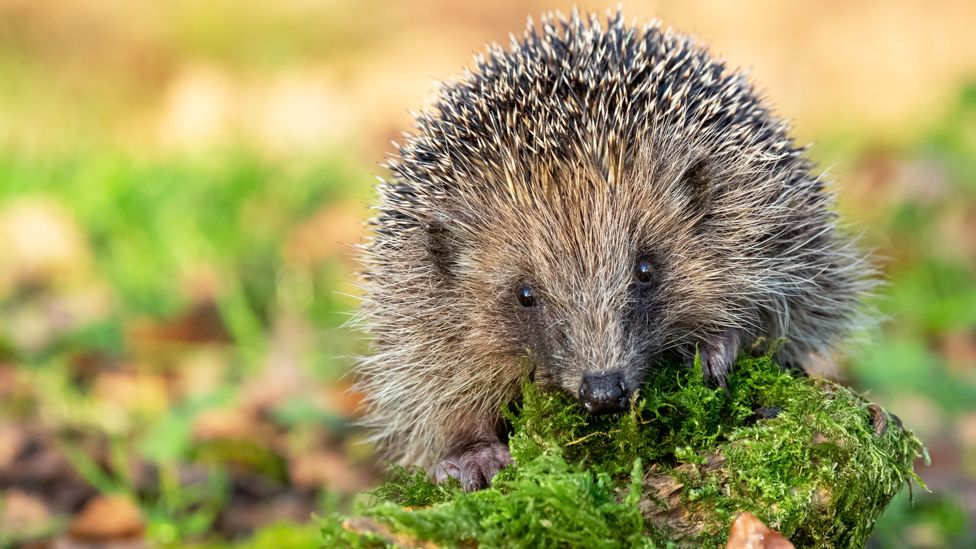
584	291
594	340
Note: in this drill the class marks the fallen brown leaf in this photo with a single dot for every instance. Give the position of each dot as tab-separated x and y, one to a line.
23	514
8	380
327	468
232	424
202	323
132	391
342	398
108	518
748	532
12	441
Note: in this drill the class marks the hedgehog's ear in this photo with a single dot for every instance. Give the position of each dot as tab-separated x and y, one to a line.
698	181
442	246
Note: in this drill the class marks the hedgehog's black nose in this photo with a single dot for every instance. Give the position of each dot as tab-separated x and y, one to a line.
603	392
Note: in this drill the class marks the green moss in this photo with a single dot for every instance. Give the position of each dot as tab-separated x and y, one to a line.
414	488
816	462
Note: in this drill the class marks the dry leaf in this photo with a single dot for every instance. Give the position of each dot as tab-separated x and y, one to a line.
23	514
229	423
107	518
341	398
12	441
327	468
132	391
748	532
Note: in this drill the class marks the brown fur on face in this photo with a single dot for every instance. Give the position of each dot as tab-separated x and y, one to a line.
559	166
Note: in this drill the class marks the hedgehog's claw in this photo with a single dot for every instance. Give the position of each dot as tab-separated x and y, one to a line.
475	466
718	354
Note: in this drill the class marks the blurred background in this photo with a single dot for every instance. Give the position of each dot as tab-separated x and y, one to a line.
180	184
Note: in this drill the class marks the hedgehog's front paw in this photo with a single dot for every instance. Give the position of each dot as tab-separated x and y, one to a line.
718	355
475	466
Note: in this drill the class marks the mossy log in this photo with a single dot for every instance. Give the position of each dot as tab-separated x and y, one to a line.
813	460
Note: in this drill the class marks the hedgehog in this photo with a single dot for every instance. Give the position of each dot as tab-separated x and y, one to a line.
573	209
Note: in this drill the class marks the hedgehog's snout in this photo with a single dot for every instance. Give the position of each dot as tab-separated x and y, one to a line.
604	392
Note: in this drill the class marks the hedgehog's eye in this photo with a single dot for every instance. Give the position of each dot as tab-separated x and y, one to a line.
644	270
526	297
